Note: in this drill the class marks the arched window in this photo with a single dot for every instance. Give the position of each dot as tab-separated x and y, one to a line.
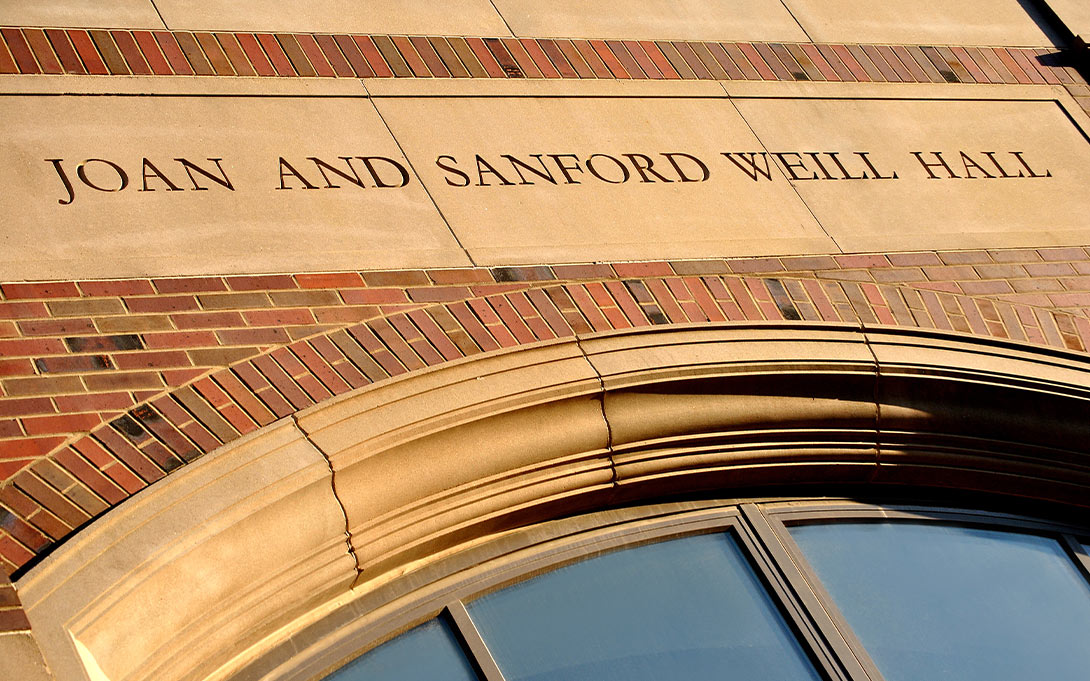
772	591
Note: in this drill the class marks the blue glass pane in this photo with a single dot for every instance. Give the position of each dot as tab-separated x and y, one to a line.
687	609
932	602
427	653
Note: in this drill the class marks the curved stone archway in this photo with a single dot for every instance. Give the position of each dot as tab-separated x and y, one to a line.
201	574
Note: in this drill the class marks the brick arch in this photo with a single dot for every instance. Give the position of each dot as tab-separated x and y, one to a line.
446	322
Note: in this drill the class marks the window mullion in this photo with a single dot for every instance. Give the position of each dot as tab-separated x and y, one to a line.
1078	554
850	660
475	646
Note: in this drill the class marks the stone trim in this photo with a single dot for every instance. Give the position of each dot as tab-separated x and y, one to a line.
181	53
109	386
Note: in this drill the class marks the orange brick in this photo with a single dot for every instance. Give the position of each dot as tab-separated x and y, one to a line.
61	424
22	310
330	280
54	289
278	317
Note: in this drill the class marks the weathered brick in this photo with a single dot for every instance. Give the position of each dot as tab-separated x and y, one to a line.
752	265
234	301
13	621
459	276
42	385
865	261
913	259
16	348
123	287
26	405
133	323
221	357
306	298
605	271
258	336
104	343
329	280
129	380
152	360
51	289
86	307
1050	269
10	428
73	364
75	464
346	314
94	402
980	288
802	263
16	367
965	257
190	285
438	294
278	317
163	304
1036	285
374	296
57	327
1059	254
28	448
525	273
1015	255
60	424
180	339
22	310
403	278
207	320
261	282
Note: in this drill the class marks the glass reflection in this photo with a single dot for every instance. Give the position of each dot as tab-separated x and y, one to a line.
689	608
931	602
429	652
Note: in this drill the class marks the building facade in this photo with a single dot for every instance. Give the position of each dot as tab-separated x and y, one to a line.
325	323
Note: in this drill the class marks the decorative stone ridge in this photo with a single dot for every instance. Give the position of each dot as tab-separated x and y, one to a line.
166	53
108	386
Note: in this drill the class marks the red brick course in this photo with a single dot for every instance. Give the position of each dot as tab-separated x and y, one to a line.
162	53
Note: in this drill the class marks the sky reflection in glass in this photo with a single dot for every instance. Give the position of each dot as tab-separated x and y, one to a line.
687	609
429	652
934	602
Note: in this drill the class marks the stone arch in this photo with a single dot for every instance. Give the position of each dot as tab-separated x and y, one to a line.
199	574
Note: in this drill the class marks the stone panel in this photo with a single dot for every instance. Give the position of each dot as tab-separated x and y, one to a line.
457	17
79	13
968	204
653	19
977	22
623	212
175	228
1075	15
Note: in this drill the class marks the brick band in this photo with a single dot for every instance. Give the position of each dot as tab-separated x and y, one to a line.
180	53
